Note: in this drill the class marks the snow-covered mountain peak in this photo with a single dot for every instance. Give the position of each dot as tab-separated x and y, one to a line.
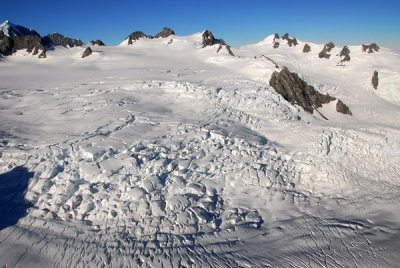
269	39
5	27
6	23
11	29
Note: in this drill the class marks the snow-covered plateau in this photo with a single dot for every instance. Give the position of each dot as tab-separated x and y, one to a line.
167	154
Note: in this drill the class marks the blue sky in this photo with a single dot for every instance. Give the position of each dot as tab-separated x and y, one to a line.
237	21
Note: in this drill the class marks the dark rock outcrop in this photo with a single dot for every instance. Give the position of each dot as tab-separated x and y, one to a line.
345	54
97	42
15	37
325	51
375	80
136	36
291	41
276	43
329	46
42	55
6	44
371	48
342	108
88	51
296	91
32	43
210	40
306	48
165	33
56	39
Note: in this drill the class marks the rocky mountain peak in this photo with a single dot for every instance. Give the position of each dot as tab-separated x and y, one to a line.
210	40
276	43
133	37
371	48
97	42
291	41
325	51
345	54
56	39
165	33
15	37
10	29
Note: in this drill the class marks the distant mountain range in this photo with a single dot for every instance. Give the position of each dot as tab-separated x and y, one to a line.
15	37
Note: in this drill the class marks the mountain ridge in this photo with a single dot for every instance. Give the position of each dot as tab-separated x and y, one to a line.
54	39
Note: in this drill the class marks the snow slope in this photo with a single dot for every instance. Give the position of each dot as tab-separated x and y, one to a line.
165	154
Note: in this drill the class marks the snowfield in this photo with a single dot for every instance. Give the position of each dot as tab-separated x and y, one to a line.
167	154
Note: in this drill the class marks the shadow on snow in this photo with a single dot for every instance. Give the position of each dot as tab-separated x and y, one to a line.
13	206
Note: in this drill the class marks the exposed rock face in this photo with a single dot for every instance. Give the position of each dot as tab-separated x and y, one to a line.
342	108
15	37
210	40
276	44
56	39
97	42
306	48
375	80
345	54
371	48
88	51
133	37
32	43
165	33
325	52
42	55
291	41
136	36
296	91
6	44
330	46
